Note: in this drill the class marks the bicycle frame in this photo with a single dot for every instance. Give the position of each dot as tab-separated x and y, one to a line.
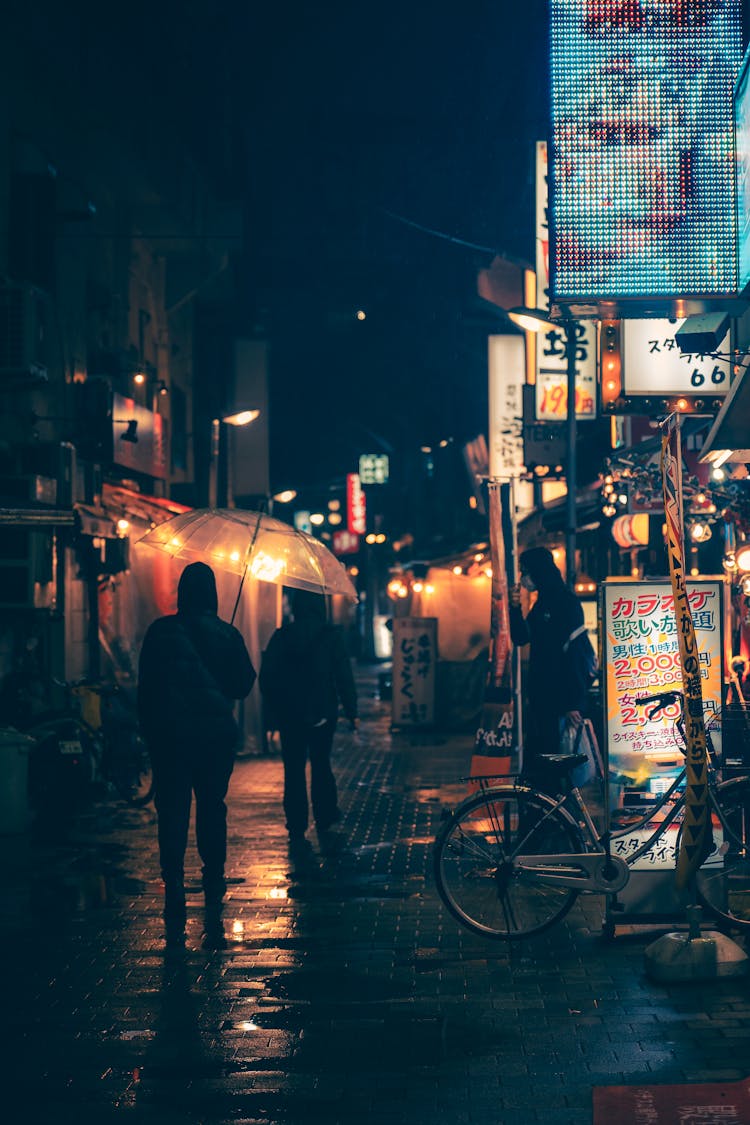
594	870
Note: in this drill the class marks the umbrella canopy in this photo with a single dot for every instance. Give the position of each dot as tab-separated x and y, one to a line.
252	544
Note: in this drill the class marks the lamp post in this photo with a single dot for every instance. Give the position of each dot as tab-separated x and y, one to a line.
537	320
241	418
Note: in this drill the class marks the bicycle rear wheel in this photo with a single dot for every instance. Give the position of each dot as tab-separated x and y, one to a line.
723	883
474	867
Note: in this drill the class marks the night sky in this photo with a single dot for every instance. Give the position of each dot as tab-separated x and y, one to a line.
365	125
355	125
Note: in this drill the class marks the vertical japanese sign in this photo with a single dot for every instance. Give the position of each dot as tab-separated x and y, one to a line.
696	836
356	515
640	656
551	361
496	739
506	365
414	666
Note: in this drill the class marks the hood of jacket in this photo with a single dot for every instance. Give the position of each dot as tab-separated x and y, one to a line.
196	591
541	568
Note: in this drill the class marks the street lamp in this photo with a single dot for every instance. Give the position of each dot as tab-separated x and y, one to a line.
241	418
537	320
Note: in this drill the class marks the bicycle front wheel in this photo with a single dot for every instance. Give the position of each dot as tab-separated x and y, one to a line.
474	862
723	882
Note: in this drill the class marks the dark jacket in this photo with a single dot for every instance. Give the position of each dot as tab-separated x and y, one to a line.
192	666
305	671
554	681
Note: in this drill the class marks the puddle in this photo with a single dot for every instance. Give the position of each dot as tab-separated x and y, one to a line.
326	987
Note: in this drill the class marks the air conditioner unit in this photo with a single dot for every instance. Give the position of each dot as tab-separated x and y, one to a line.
23	342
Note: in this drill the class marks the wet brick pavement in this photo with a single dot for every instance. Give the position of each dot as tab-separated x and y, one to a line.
345	994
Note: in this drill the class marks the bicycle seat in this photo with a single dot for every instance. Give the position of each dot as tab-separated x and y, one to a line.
563	762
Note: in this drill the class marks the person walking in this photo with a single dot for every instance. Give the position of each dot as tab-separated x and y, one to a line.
304	673
558	677
192	667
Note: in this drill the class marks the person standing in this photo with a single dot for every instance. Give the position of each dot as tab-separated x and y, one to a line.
192	667
304	673
558	682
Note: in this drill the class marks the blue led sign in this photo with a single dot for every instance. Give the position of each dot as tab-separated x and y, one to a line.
742	135
642	177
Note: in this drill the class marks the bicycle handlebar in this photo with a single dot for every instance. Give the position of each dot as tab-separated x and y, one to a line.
661	699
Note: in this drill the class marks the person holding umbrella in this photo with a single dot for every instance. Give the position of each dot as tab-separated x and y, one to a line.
304	673
192	667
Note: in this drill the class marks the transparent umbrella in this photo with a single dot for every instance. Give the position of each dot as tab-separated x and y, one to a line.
251	544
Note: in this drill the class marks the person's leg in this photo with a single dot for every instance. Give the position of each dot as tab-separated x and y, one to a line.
322	782
294	757
210	782
172	797
543	737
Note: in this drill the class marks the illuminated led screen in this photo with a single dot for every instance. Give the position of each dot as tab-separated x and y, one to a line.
742	135
642	156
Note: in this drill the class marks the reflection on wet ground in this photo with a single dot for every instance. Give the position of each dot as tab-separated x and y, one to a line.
344	993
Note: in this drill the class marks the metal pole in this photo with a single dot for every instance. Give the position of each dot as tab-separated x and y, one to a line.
571	472
213	464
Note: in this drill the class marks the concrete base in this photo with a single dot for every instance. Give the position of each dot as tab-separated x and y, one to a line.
677	957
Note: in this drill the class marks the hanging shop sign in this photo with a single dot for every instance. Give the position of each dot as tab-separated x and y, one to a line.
413	675
642	128
139	440
344	542
356	511
506	368
373	468
652	363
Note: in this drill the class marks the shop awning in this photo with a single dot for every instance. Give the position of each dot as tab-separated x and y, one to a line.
729	437
38	516
95	521
120	502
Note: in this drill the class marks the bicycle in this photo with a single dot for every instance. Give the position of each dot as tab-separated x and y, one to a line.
92	743
510	860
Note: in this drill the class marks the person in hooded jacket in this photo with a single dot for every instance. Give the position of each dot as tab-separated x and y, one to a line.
556	685
192	667
304	673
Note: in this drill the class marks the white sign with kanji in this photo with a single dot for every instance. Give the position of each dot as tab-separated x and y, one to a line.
414	665
654	364
506	358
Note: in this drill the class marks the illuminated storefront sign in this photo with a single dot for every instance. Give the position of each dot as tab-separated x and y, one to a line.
373	468
640	656
506	359
356	511
654	364
642	168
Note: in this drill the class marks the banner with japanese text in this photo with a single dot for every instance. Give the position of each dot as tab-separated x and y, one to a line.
640	656
414	669
695	841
